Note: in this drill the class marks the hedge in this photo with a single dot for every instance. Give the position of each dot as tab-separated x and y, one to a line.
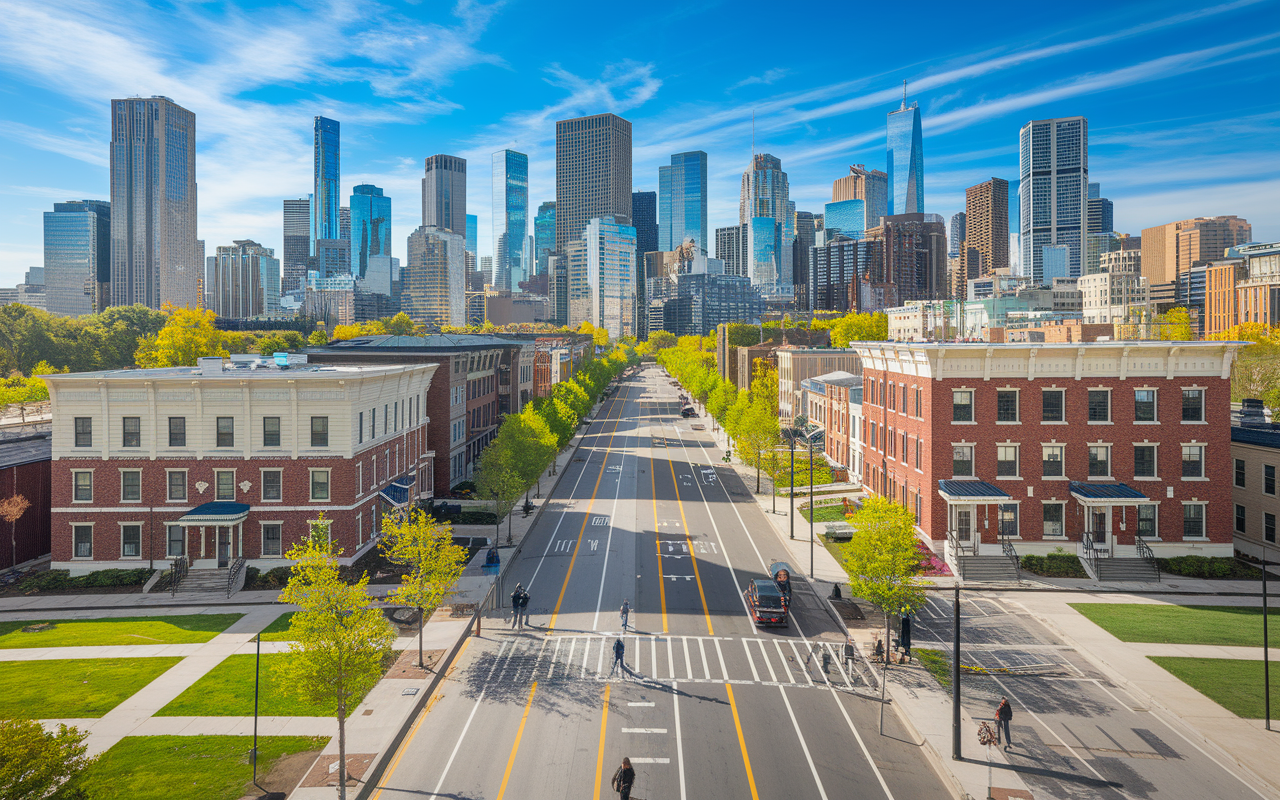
1054	565
55	580
1208	567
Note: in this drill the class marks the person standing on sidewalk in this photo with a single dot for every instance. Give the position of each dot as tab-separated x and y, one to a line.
1004	713
623	779
619	650
515	605
625	613
524	608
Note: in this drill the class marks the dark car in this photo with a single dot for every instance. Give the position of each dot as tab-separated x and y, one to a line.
781	572
765	603
688	411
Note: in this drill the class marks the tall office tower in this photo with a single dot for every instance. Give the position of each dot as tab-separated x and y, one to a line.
297	244
510	218
370	213
1173	248
1055	262
444	194
682	202
434	277
957	234
602	277
870	186
905	159
731	248
644	218
332	259
914	257
1095	245
344	225
558	287
473	233
325	200
765	206
1053	187
77	256
806	231
544	236
848	217
837	271
986	223
486	269
153	201
244	281
1101	215
1095	190
593	173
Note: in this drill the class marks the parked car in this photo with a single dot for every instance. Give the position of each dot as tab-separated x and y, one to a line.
781	572
765	603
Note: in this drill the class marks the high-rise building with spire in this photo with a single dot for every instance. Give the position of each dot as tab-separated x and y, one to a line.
905	158
765	207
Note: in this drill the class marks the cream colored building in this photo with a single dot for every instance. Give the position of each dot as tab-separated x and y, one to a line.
797	365
1110	297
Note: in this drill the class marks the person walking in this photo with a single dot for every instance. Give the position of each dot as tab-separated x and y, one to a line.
1004	713
516	597
619	650
850	654
524	608
625	613
623	779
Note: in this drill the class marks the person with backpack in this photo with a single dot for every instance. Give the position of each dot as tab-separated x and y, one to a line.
524	608
515	605
619	650
623	779
625	613
1004	713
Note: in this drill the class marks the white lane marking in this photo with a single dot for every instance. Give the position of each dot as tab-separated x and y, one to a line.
671	664
724	673
688	666
675	702
777	645
467	726
653	654
755	676
861	744
568	660
644	730
706	671
1004	690
600	660
821	791
800	660
635	648
604	570
551	667
650	760
638	704
586	653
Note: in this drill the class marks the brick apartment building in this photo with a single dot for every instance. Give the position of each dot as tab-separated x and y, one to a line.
1047	444
220	462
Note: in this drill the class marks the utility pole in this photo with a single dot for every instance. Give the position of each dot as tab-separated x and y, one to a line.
955	679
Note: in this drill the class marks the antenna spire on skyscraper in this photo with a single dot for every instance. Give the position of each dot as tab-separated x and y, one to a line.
904	95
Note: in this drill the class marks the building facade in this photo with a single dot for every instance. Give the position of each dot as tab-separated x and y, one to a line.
510	219
297	245
1255	457
603	274
1053	189
1258	292
1173	248
768	216
869	186
644	217
326	201
904	158
986	223
682	202
243	281
593	174
444	194
77	257
1113	297
370	228
732	247
913	256
434	278
796	365
544	236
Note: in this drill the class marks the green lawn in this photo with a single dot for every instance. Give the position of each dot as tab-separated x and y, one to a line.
227	691
69	688
278	630
826	513
185	767
1234	684
1222	625
937	663
184	629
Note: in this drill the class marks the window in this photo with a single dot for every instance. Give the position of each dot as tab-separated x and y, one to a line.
906	454
1054	516
1193	405
918	449
226	432
1239	473
1144	461
271	484
1269	527
132	432
270	431
319	484
82	541
225	485
177	481
1193	521
84	431
1192	461
873	435
1099	405
962	406
373	423
360	428
892	396
1099	461
918	404
1006	406
1240	518
1269	479
1144	405
893	444
1007	460
130	486
271	538
177	431
962	461
386	417
176	541
1008	519
319	431
1147	521
1051	461
1052	405
130	541
82	487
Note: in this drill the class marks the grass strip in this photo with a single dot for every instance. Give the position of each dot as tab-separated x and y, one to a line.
278	630
937	663
1238	626
227	691
184	629
73	688
1234	684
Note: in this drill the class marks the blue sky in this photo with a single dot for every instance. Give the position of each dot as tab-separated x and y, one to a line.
1183	100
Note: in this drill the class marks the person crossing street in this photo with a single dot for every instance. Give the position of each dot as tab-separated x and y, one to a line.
619	650
625	613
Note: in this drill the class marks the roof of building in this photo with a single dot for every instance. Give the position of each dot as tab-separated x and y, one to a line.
1262	436
984	346
1105	491
437	342
242	368
28	449
215	513
974	491
838	378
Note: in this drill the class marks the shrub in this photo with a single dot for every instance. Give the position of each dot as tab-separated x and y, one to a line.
251	576
1054	565
55	580
1208	567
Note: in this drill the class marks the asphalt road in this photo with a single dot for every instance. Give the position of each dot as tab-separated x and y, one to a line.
709	706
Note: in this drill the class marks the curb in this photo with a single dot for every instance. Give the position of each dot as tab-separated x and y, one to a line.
958	792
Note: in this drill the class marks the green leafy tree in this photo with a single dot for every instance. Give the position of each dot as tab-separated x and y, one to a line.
35	763
318	338
758	434
188	335
426	547
1175	325
399	325
498	480
860	327
340	641
661	340
534	445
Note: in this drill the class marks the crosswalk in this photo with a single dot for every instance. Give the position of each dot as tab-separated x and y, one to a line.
688	659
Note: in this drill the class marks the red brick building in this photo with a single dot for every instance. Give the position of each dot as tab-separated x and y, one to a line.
1045	445
25	470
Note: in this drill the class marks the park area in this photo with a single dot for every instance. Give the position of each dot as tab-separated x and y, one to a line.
1239	626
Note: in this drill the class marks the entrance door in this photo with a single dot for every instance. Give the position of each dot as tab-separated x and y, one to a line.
964	524
224	547
1101	521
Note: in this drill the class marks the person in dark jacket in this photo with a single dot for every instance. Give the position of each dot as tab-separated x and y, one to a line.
623	779
619	649
516	597
524	608
1004	713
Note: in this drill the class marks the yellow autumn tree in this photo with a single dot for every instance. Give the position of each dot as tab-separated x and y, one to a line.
187	335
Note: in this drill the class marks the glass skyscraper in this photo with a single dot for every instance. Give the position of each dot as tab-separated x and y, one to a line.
297	244
473	233
544	235
602	277
682	201
765	206
510	218
325	201
77	256
848	217
1053	192
644	218
370	227
905	159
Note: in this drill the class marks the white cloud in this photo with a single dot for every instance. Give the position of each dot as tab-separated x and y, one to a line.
769	78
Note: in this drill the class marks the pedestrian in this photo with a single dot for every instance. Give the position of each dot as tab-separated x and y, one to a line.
623	779
1004	713
625	612
850	654
515	605
524	608
879	649
619	649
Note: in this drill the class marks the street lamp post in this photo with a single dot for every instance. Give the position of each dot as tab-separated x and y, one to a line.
809	439
792	494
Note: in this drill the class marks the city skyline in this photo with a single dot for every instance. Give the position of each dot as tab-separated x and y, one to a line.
972	105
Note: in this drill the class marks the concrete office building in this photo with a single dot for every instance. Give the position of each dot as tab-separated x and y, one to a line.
297	245
434	278
593	174
510	219
77	256
1053	187
986	223
869	186
1173	248
682	202
732	248
444	194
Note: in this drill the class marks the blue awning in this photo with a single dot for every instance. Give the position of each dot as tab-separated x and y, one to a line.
1107	494
221	512
971	492
397	492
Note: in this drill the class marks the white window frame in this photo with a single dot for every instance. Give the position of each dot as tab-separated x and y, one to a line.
1111	461
186	487
168	551
328	527
216	472
122	472
1017	403
972	395
1204	405
262	485
1136	522
1017	461
311	484
75	525
76	472
1204	456
262	538
1111	406
1156	447
1054	536
1204	520
1061	446
1137	389
1060	390
123	557
973	460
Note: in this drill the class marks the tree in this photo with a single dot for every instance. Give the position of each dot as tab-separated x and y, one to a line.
34	762
399	325
317	339
1175	325
499	481
860	327
11	510
426	547
340	641
661	340
758	434
188	335
533	444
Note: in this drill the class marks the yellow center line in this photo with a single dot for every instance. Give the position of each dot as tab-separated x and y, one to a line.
604	721
693	559
653	492
746	760
511	760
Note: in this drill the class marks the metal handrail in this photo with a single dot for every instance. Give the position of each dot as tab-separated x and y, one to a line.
236	566
176	573
1091	553
1146	553
1012	555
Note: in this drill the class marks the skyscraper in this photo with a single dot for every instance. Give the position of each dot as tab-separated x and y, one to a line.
297	244
593	173
1053	188
848	217
957	234
434	277
544	235
644	216
806	233
905	159
766	207
473	233
870	186
244	281
444	194
510	218
731	248
602	277
344	229
325	200
370	227
1174	248
153	201
77	256
986	225
682	201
